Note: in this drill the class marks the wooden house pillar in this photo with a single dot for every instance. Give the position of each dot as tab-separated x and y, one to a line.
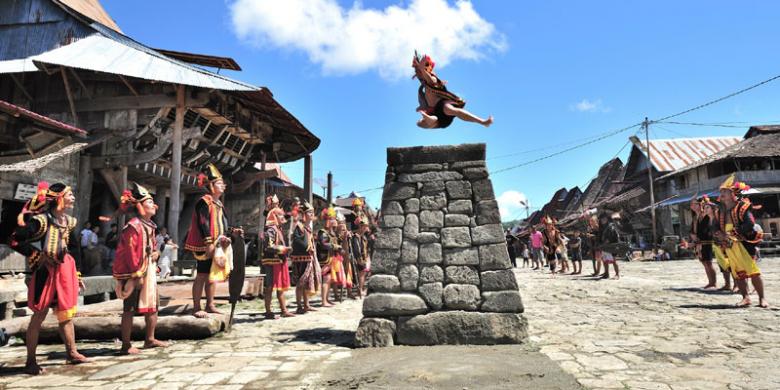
175	206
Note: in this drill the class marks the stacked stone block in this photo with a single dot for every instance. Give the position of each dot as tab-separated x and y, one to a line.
440	272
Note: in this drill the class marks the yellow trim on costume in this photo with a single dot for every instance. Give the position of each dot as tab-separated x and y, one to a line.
66	315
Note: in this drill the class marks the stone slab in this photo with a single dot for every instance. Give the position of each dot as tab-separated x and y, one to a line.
435	154
391	305
375	332
460	327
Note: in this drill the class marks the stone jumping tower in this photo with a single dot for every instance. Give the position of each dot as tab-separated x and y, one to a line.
441	272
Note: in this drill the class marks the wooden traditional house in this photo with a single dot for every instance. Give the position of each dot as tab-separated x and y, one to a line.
149	115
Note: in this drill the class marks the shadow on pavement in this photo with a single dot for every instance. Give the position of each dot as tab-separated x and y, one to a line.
340	338
699	290
716	306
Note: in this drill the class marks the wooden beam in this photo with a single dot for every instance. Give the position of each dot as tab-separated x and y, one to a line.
114	183
129	86
81	83
153	154
21	87
98	103
70	96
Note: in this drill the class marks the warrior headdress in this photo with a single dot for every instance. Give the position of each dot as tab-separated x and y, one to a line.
45	195
210	175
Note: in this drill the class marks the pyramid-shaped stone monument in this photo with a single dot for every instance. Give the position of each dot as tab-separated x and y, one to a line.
440	272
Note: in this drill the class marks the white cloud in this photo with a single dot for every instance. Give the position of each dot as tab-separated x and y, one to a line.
358	39
509	205
586	105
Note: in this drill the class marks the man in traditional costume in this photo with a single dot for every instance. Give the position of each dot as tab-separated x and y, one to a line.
275	266
609	245
710	209
208	241
701	238
303	259
438	106
739	237
46	235
550	239
135	267
328	252
360	252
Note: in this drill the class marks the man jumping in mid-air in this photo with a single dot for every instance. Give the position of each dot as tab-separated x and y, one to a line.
438	106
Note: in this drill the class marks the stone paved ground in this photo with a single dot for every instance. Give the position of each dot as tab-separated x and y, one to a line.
653	329
650	330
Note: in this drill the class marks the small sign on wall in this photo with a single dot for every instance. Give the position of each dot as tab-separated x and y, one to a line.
25	191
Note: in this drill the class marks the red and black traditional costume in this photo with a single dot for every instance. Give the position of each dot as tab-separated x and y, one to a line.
303	255
134	259
329	250
439	89
209	226
275	266
51	249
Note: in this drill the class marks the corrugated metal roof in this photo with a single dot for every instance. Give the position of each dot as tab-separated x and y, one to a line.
110	52
673	154
18	66
41	120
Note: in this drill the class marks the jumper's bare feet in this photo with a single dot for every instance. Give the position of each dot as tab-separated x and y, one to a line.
709	287
200	314
213	309
287	314
129	350
309	308
76	358
745	303
154	343
616	277
487	122
763	303
725	288
270	316
32	368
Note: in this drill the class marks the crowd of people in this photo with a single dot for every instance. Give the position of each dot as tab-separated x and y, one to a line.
548	247
725	231
331	262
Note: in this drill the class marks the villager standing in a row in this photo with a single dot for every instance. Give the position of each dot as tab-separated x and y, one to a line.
361	252
609	235
275	265
46	236
135	267
328	249
551	239
701	238
739	237
208	241
303	259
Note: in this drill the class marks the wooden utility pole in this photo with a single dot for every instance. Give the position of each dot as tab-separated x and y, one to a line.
178	126
307	178
330	187
646	126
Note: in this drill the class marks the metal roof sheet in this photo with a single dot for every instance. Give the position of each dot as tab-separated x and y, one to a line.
110	52
41	120
673	154
18	66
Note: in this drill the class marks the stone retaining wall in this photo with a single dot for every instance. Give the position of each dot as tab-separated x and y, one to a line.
440	272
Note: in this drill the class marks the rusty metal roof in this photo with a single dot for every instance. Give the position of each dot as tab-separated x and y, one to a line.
93	10
40	120
673	154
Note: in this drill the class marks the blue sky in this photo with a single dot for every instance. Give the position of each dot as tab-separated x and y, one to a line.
551	72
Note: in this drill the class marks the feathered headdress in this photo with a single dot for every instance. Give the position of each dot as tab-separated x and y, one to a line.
43	195
208	176
133	196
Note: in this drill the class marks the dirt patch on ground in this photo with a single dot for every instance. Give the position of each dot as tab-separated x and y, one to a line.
447	367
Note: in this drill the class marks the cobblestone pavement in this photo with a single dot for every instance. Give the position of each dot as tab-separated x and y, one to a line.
281	354
654	328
